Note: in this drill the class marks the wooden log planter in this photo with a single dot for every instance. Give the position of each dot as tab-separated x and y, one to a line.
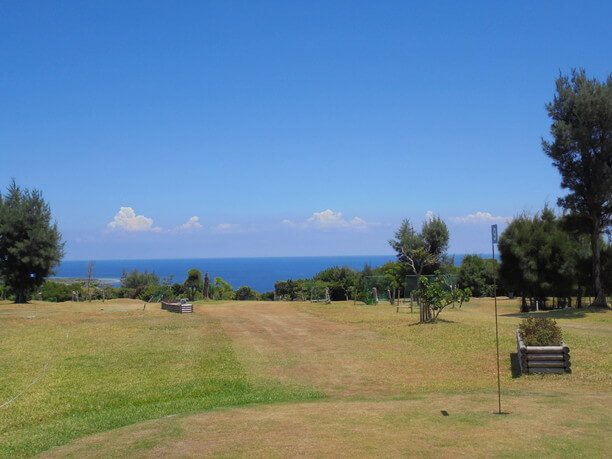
180	308
542	359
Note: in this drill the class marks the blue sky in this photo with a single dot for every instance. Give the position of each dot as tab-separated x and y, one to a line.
286	128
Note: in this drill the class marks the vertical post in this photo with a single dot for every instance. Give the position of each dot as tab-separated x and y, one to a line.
493	242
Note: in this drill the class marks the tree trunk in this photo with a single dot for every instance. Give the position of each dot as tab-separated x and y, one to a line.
422	306
20	297
524	307
600	299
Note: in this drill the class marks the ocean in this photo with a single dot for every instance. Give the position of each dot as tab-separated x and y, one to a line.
258	273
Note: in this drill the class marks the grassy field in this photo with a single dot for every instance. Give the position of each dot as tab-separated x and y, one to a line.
105	369
278	379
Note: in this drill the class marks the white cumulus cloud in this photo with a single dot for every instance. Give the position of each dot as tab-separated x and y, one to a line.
481	217
192	224
127	220
328	219
429	216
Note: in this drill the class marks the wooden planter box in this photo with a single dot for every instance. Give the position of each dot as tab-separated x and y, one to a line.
180	308
542	359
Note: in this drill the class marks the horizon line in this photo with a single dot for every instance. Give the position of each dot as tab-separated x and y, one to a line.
255	257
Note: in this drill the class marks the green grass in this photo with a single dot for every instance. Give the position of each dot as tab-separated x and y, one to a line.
107	369
463	341
110	369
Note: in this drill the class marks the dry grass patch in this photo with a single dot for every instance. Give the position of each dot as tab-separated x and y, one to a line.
367	429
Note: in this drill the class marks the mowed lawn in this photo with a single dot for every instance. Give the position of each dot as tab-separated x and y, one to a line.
277	379
101	369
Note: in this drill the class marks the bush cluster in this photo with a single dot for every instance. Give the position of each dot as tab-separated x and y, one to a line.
539	331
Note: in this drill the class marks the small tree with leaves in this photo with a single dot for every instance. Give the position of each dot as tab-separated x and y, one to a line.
436	294
193	283
223	290
30	244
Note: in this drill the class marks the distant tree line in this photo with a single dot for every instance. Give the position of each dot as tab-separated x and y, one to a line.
145	286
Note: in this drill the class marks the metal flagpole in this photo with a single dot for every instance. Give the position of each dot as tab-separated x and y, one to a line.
493	242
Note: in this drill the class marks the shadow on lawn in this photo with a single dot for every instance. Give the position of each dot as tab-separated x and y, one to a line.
514	363
437	321
567	313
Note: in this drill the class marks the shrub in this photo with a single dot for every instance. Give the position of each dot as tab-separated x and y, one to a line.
538	331
56	291
136	279
123	292
178	290
110	293
153	292
246	293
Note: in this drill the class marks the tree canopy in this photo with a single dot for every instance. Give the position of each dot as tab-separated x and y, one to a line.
194	282
340	280
436	294
581	149
289	289
138	284
30	244
539	258
245	293
478	274
421	252
138	280
223	290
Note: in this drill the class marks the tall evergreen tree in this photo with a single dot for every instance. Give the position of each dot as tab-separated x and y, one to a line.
30	244
206	286
581	149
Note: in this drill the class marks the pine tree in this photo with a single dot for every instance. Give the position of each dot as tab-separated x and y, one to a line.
206	286
30	244
582	151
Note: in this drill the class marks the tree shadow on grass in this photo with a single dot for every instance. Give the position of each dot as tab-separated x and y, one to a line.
514	363
567	313
438	321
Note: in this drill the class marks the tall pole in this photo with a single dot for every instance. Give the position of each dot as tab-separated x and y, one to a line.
493	241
